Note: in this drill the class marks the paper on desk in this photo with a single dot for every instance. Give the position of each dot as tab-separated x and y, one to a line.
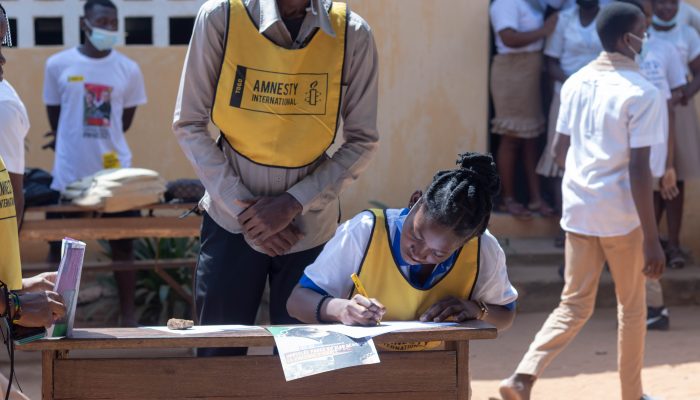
358	332
202	329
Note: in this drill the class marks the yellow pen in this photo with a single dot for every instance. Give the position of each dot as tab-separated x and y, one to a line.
360	288
358	285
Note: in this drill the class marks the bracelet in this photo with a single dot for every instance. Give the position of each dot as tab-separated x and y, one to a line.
484	310
318	309
6	297
16	313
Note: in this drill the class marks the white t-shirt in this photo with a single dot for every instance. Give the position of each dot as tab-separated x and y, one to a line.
93	94
14	125
663	67
569	4
517	15
606	111
686	40
573	44
688	15
343	255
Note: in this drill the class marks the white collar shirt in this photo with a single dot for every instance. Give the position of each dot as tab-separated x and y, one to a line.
607	108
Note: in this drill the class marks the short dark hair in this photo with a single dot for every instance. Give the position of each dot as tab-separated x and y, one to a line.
90	4
462	198
614	21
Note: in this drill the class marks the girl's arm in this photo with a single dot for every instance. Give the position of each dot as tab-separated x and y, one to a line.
669	186
555	70
515	39
460	310
303	304
692	88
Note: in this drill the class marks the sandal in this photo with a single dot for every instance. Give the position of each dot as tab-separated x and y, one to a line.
675	257
542	208
515	209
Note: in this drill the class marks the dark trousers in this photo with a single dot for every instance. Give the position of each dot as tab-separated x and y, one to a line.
231	277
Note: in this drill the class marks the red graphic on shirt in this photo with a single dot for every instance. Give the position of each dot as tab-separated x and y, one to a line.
97	105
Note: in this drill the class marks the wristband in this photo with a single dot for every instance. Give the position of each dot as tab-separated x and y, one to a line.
318	309
484	310
15	313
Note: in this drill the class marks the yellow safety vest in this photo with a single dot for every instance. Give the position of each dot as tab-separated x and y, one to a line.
382	278
10	266
277	106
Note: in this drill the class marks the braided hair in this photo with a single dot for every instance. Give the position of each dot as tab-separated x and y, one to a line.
461	198
5	40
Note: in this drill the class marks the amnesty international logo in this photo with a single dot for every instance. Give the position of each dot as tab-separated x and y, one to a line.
313	95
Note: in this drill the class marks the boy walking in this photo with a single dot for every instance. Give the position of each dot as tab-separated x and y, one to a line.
609	118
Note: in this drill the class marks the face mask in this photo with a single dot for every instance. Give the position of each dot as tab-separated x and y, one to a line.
102	39
665	24
639	57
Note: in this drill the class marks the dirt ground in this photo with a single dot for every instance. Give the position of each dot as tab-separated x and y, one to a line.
585	370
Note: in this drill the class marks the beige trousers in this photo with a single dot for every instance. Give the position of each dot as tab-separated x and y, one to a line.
585	257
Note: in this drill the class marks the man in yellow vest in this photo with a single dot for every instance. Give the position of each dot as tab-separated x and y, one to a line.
276	78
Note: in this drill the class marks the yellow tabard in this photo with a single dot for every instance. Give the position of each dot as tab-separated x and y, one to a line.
10	267
276	106
383	280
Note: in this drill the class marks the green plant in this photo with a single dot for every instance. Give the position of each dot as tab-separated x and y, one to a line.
155	299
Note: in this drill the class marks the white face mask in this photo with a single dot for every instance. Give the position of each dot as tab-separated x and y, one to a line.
639	57
102	39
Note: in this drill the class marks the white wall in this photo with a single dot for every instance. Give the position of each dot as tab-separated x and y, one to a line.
70	10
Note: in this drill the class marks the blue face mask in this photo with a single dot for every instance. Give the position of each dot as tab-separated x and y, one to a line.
102	39
665	24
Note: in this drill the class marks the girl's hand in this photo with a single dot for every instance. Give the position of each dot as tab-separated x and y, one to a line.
359	311
669	187
550	23
451	307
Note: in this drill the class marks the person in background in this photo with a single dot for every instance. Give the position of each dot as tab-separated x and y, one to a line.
609	118
87	139
272	186
432	261
666	26
32	301
573	44
516	70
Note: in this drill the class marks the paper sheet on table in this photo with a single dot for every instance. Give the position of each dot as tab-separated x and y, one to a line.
358	332
202	329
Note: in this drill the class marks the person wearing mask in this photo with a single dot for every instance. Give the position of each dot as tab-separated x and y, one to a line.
276	78
88	139
520	30
610	117
667	26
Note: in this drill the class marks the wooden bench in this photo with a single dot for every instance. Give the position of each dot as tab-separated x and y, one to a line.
160	221
442	374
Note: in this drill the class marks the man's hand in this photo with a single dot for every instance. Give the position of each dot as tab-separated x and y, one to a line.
279	243
654	259
39	283
51	144
359	311
41	309
268	216
669	187
459	309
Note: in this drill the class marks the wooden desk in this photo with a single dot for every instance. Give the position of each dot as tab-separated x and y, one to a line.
154	224
440	374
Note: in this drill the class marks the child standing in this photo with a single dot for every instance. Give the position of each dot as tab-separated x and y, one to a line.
609	118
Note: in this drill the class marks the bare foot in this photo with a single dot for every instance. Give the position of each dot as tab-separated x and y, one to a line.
517	387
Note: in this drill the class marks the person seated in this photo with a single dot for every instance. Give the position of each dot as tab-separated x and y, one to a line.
433	262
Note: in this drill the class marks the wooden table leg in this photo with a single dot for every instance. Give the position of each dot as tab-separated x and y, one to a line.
463	385
47	363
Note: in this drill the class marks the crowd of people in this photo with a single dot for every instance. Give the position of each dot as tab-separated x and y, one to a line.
539	45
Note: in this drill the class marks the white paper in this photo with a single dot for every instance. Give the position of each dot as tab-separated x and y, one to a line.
203	329
385	327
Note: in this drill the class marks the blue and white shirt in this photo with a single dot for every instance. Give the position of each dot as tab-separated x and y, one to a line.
343	255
